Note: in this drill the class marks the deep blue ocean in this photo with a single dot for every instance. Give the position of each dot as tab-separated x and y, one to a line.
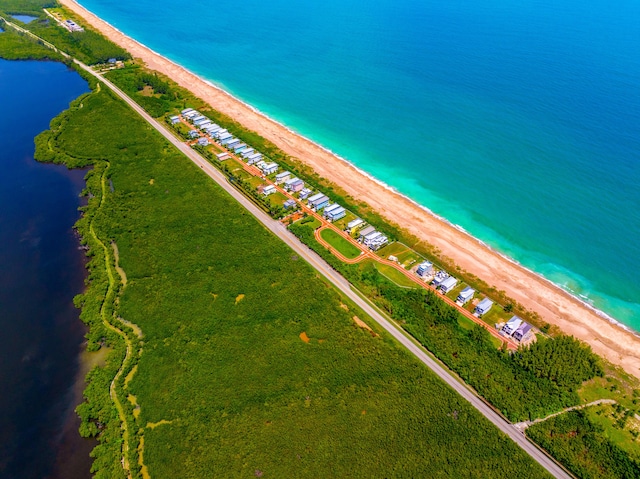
517	120
41	270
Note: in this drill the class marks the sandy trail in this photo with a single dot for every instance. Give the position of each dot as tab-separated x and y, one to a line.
534	292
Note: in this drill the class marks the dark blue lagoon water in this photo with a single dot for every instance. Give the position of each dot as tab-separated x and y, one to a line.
41	269
519	121
24	18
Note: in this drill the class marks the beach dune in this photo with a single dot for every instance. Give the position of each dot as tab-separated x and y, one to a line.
553	304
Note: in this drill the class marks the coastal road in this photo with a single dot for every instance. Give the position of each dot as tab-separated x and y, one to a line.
338	281
344	286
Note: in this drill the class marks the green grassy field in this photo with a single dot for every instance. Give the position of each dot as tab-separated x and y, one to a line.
339	243
222	305
396	276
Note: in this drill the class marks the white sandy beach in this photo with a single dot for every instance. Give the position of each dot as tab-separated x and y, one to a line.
553	304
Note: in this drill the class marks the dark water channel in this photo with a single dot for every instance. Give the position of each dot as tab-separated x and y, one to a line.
41	270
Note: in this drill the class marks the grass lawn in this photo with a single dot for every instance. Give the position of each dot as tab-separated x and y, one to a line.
233	165
256	181
252	364
312	222
394	249
277	198
182	129
496	315
406	256
394	275
339	243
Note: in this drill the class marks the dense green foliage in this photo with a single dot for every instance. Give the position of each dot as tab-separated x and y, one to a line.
18	46
222	304
564	360
582	447
33	7
88	46
132	80
520	388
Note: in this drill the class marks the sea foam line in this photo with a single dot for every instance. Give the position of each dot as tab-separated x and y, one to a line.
381	183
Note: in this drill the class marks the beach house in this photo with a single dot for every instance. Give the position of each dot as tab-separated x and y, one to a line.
239	148
364	232
174	119
304	193
313	198
270	168
439	277
203	141
294	185
354	225
73	26
336	214
255	158
319	201
289	204
194	134
483	307
222	156
269	189
523	332
282	177
448	284
465	295
511	326
330	208
425	269
377	242
221	132
247	152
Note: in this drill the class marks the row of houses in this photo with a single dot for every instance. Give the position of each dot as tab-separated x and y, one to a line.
216	132
518	329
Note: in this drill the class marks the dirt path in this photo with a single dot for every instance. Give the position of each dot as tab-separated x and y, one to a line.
525	424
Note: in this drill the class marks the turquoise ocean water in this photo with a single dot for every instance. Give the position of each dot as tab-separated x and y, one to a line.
518	121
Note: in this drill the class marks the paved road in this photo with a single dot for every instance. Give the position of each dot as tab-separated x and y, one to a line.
319	264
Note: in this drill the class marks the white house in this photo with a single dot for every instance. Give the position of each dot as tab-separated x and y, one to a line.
465	295
448	284
483	307
269	189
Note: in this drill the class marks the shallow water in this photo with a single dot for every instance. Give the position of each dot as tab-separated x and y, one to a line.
41	269
25	18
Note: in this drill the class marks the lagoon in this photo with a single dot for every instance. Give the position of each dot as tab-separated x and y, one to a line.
24	18
41	269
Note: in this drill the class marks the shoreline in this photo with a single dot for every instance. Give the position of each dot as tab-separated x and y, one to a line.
573	315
